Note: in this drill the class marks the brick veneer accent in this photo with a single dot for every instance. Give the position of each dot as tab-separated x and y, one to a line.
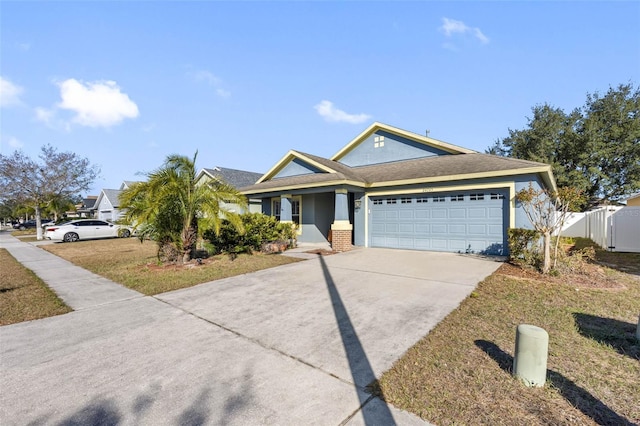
341	239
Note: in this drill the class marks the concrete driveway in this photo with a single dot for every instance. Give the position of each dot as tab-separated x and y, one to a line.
295	344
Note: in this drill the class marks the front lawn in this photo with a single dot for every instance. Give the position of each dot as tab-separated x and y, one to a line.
23	296
135	265
461	372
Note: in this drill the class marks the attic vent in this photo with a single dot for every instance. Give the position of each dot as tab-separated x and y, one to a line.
378	141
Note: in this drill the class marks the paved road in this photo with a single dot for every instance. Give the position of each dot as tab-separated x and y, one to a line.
295	344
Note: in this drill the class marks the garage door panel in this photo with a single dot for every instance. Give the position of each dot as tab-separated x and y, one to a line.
391	228
439	213
406	228
457	213
421	228
377	228
457	245
422	214
406	214
439	244
495	212
458	222
457	229
405	243
477	213
477	229
439	228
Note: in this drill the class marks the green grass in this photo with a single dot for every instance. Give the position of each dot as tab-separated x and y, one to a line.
461	372
23	296
135	265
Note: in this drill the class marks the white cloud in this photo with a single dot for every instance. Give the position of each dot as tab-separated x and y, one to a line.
451	27
9	143
45	115
330	113
211	80
9	93
96	104
15	143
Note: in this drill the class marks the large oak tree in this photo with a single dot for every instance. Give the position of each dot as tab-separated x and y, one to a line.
595	148
36	184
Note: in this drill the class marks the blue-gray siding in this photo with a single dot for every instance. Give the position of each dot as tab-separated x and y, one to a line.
296	167
383	147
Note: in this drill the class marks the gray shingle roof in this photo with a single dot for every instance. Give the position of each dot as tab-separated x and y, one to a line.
113	195
235	178
421	168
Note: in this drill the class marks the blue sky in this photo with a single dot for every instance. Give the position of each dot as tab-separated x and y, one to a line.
128	83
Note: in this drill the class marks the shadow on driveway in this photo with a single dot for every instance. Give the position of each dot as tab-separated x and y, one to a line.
358	362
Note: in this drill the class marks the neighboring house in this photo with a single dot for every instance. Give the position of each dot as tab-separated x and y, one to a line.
88	207
393	188
108	205
235	178
634	200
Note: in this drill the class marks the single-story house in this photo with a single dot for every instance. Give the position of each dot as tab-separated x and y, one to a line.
235	178
87	208
392	188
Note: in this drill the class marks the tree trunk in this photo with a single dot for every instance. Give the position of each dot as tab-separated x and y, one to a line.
546	263
38	223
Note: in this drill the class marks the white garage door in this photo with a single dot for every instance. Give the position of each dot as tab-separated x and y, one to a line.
462	222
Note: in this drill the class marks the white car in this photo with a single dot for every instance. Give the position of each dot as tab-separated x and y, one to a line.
85	229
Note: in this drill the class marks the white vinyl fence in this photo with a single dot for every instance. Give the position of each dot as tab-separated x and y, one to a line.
612	228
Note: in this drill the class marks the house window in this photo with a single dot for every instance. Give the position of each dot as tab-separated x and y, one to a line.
275	209
392	201
378	201
476	197
295	211
458	197
495	196
421	200
405	200
438	199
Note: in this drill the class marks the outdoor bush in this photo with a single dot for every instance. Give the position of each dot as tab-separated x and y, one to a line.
523	246
258	230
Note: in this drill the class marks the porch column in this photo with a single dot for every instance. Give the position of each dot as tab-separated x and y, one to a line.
341	228
285	208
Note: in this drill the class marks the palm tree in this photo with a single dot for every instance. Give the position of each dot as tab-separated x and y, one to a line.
172	208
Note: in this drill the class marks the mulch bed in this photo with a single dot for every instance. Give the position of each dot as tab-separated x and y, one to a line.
592	277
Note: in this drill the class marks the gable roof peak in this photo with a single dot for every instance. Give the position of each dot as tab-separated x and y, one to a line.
376	126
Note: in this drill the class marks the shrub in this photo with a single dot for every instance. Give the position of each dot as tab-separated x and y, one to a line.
522	246
258	230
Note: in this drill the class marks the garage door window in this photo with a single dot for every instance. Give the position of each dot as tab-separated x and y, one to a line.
391	201
438	199
497	196
405	200
476	197
457	197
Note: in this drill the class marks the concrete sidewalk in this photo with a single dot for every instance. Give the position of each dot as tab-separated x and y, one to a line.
295	344
77	287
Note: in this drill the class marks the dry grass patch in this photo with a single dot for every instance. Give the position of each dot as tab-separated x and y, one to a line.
23	296
461	372
135	265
